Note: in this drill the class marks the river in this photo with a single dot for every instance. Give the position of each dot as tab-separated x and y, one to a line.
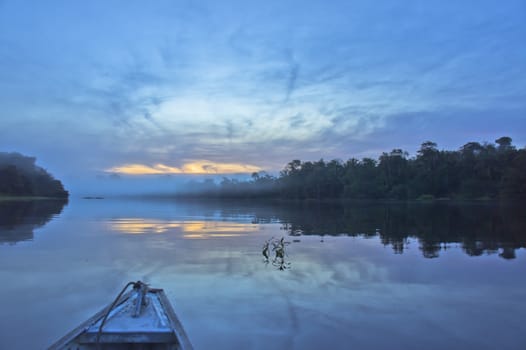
365	275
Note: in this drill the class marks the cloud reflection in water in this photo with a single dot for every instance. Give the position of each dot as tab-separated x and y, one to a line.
194	229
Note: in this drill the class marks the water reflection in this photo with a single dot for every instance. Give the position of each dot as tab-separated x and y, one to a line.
19	218
477	228
346	290
197	229
142	226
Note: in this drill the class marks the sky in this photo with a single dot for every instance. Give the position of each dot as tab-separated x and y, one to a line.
191	87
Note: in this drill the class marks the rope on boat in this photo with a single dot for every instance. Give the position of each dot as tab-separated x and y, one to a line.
136	285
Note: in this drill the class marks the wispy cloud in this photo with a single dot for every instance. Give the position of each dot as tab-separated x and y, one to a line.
192	167
141	88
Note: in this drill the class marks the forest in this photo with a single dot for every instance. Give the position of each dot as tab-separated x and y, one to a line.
21	177
475	171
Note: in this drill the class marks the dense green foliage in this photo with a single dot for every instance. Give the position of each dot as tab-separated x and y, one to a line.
475	171
20	176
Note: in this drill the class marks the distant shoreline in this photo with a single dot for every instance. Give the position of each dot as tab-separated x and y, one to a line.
29	198
280	200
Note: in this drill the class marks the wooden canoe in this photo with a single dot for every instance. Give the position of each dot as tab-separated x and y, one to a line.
140	319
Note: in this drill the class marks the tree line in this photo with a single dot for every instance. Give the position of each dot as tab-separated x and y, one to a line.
475	171
20	176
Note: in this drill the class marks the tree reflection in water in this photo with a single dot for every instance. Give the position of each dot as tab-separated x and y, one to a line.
19	218
478	228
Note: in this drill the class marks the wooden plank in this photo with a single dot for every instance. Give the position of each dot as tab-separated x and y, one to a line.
69	337
128	338
183	339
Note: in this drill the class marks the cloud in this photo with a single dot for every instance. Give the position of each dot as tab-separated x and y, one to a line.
294	70
193	167
450	127
131	87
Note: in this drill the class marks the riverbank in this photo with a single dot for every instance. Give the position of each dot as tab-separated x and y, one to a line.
29	198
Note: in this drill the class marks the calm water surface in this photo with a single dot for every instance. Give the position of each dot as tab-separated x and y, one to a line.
362	276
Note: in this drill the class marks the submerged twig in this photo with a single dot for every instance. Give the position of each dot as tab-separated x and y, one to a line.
266	249
278	247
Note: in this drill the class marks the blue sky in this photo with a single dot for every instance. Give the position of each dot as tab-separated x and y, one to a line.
227	86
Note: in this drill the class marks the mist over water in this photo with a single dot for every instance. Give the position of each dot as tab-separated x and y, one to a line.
120	185
368	274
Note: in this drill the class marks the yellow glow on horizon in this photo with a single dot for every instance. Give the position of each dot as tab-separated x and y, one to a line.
140	169
193	167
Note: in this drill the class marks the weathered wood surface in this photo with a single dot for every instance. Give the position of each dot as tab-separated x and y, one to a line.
158	326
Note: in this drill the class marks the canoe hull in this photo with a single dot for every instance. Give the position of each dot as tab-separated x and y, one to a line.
157	327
